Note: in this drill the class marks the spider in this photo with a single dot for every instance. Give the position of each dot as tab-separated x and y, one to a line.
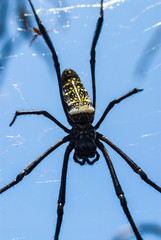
37	33
82	137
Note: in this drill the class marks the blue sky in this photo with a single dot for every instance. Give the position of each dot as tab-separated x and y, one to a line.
92	211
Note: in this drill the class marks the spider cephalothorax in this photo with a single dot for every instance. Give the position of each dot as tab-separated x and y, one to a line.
82	138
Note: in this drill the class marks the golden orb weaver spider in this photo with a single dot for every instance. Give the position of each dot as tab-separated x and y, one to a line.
82	137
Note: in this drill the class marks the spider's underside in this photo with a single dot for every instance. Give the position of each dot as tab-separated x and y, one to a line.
83	137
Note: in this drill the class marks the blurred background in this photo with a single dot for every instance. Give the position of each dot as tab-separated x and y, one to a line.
128	55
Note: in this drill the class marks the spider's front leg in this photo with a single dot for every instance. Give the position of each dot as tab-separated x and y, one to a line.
50	45
93	52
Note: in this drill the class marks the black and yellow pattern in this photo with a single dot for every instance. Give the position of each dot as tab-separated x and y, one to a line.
76	97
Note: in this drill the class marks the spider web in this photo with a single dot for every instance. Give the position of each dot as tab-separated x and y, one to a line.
128	56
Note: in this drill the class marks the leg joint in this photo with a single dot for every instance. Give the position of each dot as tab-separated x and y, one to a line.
60	209
122	200
142	174
21	175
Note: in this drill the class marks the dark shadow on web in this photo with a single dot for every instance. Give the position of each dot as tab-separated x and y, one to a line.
12	36
149	53
146	229
8	41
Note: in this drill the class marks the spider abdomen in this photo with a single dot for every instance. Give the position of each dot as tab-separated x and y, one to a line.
78	102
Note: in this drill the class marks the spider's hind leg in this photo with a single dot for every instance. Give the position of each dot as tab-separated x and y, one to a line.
61	199
130	162
119	191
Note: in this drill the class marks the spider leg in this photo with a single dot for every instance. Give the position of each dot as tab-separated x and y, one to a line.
33	39
61	199
119	191
54	55
86	160
132	164
79	161
41	112
93	161
28	169
112	104
93	52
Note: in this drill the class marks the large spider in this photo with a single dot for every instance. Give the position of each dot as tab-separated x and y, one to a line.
82	137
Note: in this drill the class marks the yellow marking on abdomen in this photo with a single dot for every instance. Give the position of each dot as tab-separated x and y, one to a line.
76	97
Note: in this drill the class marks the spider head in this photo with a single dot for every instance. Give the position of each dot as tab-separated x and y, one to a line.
84	137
